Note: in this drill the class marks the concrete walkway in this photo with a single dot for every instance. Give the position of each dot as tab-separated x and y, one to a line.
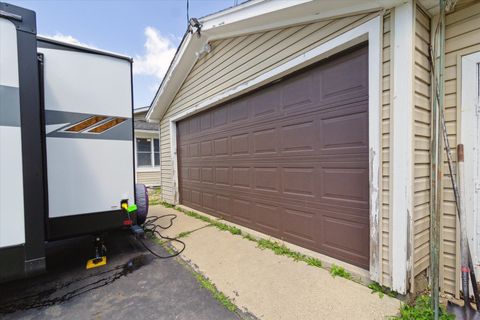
271	286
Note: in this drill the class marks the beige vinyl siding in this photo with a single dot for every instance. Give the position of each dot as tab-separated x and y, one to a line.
422	134
462	38
149	178
386	278
235	61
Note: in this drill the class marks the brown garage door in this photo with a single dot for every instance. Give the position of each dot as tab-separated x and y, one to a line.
289	160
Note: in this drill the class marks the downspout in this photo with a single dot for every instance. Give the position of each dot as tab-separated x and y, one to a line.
438	55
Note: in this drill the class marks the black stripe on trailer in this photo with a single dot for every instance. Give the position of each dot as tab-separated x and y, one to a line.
28	259
83	224
32	153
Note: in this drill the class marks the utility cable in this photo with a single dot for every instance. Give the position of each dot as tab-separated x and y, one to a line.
38	299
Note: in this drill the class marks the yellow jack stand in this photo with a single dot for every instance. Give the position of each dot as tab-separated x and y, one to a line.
96	262
100	258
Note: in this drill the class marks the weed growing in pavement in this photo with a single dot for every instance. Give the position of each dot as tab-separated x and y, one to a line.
184	234
277	248
167	205
249	237
421	310
218	295
313	262
225	227
382	290
337	271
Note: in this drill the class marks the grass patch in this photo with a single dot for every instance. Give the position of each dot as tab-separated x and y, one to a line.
279	249
249	237
282	250
313	262
218	295
154	196
337	271
226	227
421	310
184	234
167	205
382	290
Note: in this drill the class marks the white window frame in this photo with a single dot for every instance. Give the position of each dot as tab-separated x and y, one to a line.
469	111
370	31
144	134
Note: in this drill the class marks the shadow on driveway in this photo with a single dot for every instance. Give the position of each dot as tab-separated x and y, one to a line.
158	289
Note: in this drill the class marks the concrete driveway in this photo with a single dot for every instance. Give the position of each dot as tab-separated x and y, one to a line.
159	289
271	286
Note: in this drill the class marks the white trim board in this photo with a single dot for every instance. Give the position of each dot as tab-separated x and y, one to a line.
470	137
402	144
370	31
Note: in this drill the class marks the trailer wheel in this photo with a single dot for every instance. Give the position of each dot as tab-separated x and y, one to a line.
141	200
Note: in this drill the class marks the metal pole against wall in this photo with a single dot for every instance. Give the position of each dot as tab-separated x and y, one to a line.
436	157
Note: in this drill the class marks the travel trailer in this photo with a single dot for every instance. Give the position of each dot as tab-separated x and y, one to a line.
66	143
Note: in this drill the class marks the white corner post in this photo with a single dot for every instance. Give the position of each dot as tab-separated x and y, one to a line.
173	152
402	143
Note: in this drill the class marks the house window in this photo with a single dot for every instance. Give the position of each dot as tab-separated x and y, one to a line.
148	152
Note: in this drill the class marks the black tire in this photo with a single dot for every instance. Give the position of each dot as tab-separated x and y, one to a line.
141	200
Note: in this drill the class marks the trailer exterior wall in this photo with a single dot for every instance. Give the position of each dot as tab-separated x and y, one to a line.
22	195
12	222
89	173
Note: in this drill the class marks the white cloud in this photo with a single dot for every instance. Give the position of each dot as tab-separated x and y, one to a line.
68	39
159	52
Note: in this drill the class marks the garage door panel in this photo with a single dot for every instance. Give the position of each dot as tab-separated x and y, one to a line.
300	225
298	136
345	238
265	141
344	131
345	79
242	177
299	181
290	160
208	201
238	111
267	179
241	211
344	184
240	144
224	206
265	103
268	218
298	92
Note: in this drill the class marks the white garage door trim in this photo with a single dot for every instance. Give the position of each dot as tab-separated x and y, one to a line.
470	137
371	31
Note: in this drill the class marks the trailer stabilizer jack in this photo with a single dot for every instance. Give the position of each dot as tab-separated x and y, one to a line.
100	251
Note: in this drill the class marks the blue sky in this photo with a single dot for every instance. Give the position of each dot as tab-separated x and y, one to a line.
148	31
